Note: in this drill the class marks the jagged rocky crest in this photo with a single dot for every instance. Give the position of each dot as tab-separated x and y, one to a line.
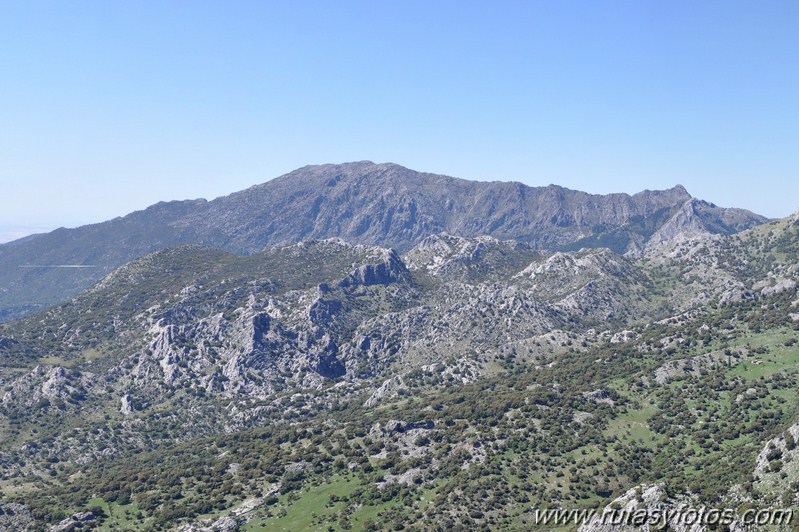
605	352
377	204
190	344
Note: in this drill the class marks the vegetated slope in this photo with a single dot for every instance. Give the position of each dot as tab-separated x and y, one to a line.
465	382
378	204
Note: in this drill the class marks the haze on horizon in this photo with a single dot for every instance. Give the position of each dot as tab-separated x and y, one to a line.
111	107
11	233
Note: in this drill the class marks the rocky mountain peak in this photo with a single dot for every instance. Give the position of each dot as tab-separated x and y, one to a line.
697	219
362	202
680	190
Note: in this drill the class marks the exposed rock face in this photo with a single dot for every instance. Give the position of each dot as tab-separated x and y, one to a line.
644	497
474	298
596	283
698	219
199	319
391	270
192	342
223	524
685	224
599	396
780	285
469	259
333	310
647	508
389	205
126	406
78	521
389	388
777	465
693	365
775	472
363	202
45	385
15	516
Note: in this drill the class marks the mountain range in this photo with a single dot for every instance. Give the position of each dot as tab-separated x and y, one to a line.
360	353
378	204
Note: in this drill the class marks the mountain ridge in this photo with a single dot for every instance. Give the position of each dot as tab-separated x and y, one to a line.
378	204
204	377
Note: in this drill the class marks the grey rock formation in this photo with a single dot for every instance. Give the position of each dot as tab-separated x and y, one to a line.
15	516
223	524
78	521
697	219
192	342
378	204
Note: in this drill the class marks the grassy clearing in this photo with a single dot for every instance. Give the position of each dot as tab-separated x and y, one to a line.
119	517
633	426
300	514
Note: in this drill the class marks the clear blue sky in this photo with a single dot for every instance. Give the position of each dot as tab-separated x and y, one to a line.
110	106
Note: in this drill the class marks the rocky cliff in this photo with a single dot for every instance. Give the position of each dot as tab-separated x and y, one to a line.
377	204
